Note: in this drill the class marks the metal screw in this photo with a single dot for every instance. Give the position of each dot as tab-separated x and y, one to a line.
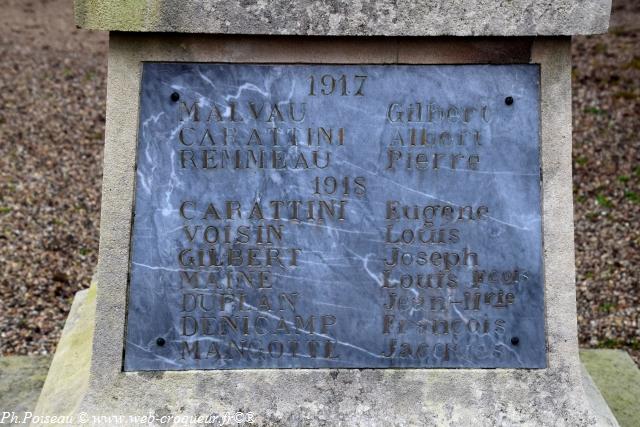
515	340
160	341
508	100
175	96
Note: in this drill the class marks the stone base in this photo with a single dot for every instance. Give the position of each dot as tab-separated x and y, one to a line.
68	378
66	386
618	378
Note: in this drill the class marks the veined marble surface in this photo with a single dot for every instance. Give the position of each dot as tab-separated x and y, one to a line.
307	216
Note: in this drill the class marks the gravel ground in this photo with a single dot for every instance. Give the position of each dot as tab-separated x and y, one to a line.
52	101
606	168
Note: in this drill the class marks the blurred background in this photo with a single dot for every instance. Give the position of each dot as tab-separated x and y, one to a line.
52	113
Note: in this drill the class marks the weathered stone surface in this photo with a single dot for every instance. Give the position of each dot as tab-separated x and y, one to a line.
618	379
68	376
597	403
344	17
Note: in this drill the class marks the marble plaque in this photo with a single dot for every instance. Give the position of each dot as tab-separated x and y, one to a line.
337	216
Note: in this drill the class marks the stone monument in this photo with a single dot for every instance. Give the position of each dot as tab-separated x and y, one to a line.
334	212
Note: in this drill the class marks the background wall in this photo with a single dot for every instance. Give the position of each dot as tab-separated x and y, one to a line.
52	101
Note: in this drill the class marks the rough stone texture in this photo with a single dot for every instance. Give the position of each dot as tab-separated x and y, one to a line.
551	396
618	379
597	402
345	17
68	376
21	378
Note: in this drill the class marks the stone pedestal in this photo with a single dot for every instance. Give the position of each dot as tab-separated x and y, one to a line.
68	376
516	32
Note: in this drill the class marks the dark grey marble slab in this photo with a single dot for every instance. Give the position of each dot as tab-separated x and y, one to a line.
308	216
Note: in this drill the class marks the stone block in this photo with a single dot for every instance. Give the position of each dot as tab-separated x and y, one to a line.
68	376
550	396
347	18
618	379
